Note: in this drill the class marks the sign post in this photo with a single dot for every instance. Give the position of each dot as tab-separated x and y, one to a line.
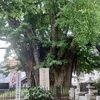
44	78
18	85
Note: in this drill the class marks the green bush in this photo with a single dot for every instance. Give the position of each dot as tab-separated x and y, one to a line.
37	93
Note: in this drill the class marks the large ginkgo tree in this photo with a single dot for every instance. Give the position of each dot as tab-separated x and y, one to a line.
62	35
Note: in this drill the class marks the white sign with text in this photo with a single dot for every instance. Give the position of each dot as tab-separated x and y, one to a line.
44	78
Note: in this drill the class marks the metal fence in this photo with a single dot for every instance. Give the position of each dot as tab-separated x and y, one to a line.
7	94
10	93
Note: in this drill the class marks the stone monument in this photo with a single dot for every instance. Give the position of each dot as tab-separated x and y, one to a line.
44	78
18	85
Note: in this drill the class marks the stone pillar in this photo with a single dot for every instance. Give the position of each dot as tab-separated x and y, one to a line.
71	93
18	86
90	91
87	97
97	97
76	94
78	87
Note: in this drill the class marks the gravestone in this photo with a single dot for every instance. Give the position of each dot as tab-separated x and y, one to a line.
44	78
83	87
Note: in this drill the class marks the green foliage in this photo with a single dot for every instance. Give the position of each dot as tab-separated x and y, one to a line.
37	93
51	61
83	20
89	60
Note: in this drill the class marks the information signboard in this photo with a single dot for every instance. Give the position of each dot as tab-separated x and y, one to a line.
44	78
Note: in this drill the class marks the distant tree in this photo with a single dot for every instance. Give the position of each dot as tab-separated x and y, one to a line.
6	67
59	34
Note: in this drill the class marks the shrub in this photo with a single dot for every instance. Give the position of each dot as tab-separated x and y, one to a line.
37	93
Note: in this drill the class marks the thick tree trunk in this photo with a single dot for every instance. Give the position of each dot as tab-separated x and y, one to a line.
63	79
67	78
31	73
28	75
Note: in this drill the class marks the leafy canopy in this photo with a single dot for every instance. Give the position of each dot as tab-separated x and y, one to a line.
77	23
